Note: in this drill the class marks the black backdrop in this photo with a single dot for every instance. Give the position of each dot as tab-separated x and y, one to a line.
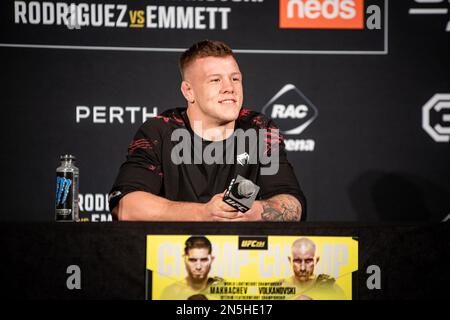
365	156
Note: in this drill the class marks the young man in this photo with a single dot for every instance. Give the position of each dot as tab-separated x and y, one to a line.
309	286
153	185
198	260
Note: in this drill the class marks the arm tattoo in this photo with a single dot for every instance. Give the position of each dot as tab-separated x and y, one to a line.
281	207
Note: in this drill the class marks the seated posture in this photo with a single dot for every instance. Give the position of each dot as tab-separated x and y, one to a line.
181	162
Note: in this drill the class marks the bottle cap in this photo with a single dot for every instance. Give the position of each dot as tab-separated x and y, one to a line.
67	157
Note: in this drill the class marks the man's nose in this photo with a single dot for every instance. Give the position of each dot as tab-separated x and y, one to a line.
227	86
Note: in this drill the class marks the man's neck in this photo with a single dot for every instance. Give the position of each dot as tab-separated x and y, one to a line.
197	285
305	283
209	129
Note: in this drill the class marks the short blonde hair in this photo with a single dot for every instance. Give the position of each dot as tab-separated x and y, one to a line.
205	48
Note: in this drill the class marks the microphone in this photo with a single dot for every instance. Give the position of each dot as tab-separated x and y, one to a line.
241	193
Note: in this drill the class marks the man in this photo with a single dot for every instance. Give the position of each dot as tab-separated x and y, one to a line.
198	259
309	286
152	186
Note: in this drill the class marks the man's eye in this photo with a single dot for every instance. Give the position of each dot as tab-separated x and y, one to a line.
236	79
215	80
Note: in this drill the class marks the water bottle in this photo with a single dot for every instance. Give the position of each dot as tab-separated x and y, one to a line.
66	193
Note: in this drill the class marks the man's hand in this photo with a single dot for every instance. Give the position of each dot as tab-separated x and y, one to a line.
254	214
282	207
217	210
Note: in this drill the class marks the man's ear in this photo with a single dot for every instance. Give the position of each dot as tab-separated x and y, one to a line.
317	259
212	258
187	91
290	260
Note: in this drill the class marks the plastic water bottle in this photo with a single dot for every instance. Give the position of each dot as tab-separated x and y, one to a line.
66	193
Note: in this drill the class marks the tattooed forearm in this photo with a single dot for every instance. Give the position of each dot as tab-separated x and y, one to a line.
282	207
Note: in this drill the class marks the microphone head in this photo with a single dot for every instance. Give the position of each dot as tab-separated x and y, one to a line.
241	193
246	188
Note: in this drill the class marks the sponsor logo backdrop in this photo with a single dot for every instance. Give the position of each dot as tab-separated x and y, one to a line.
360	90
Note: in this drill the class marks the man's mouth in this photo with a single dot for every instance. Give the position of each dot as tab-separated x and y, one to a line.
227	101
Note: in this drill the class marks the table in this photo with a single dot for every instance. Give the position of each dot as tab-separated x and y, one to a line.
35	255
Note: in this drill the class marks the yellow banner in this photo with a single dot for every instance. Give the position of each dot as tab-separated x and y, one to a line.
218	267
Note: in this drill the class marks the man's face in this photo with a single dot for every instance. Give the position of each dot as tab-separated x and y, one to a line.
303	262
198	264
215	84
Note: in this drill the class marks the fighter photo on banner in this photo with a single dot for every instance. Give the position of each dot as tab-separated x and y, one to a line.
232	267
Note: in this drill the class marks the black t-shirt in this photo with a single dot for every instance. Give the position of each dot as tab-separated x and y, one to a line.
149	166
